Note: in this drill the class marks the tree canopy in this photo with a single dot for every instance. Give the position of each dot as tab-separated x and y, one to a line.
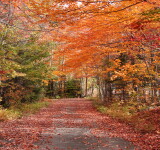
116	42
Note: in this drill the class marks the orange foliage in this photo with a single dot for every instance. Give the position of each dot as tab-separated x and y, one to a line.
91	33
98	34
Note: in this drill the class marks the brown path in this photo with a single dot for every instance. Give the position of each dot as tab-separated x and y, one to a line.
68	124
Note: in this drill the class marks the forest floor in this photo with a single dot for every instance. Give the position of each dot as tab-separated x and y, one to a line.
73	124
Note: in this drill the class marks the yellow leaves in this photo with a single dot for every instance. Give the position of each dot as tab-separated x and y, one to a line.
45	82
98	30
17	74
117	62
109	70
3	78
130	72
105	72
58	73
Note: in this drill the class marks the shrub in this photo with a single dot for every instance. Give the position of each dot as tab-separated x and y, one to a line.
17	111
131	113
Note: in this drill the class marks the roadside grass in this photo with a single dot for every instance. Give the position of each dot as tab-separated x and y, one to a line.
16	112
137	115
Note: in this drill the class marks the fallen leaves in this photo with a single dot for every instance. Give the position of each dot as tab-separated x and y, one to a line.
26	133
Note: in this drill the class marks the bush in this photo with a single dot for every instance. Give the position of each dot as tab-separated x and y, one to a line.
131	113
17	111
3	114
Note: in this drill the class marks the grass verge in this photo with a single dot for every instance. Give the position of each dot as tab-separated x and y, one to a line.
21	110
137	115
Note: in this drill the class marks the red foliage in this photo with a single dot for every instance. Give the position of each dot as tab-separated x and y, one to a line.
2	72
137	25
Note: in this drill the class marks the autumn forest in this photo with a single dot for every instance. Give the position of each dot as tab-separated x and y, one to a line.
106	51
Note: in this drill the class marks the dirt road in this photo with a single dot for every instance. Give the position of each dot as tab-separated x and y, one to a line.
68	124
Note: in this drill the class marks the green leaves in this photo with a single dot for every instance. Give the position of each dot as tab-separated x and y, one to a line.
24	59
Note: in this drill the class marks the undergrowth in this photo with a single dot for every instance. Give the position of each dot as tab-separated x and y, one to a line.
135	114
20	110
